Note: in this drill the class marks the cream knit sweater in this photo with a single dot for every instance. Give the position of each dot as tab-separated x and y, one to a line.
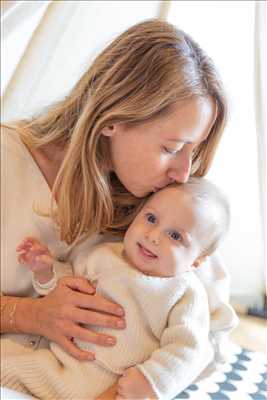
167	336
22	186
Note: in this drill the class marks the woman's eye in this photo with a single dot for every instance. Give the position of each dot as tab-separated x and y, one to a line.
173	151
151	218
170	151
175	235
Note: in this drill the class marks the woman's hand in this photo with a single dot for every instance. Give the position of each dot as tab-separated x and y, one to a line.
58	316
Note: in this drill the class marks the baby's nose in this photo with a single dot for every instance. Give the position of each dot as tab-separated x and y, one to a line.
154	236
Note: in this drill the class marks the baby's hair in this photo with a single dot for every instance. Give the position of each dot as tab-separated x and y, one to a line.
208	195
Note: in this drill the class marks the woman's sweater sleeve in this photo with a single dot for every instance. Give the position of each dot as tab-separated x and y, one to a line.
184	350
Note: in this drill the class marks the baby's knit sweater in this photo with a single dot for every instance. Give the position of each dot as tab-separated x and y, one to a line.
167	335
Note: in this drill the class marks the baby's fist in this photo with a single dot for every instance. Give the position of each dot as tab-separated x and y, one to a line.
133	385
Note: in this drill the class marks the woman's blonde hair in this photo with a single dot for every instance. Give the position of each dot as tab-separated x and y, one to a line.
138	77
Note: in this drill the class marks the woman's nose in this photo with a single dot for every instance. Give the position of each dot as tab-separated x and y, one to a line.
179	171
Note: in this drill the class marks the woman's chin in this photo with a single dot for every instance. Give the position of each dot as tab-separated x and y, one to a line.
134	189
139	193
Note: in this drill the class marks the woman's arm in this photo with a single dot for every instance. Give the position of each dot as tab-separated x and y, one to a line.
59	315
17	314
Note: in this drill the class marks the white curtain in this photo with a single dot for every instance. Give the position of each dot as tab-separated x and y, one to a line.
46	46
226	30
61	41
260	41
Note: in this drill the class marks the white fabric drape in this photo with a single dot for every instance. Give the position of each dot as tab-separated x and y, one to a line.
67	36
261	115
18	24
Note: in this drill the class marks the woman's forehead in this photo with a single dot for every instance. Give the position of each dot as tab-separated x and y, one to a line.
188	122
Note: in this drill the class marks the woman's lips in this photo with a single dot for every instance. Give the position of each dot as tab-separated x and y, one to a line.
157	188
145	252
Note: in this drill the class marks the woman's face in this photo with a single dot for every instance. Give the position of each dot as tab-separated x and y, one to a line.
150	156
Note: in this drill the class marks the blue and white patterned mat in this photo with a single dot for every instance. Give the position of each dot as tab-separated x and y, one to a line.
244	377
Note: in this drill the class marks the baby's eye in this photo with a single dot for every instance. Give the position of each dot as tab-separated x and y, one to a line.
175	235
151	218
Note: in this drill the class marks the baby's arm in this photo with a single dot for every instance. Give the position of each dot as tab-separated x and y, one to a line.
216	280
184	351
46	271
133	385
37	257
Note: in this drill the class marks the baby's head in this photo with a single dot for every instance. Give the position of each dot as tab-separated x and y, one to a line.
177	228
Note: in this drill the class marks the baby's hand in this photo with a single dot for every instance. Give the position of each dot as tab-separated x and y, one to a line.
133	385
35	255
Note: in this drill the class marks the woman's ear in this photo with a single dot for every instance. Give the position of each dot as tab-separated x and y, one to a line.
112	129
198	261
109	130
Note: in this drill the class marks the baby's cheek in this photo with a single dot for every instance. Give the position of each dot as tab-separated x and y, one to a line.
175	260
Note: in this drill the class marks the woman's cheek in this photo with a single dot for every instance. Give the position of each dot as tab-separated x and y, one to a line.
159	161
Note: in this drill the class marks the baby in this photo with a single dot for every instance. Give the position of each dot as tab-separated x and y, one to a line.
166	344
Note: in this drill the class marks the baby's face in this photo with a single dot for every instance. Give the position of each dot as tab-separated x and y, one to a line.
165	238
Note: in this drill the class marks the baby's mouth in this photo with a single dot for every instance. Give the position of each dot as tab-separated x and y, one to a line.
146	252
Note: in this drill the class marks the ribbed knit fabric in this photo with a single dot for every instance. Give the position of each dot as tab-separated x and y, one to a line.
43	376
20	177
167	336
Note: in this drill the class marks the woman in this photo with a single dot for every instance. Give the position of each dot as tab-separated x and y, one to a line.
149	111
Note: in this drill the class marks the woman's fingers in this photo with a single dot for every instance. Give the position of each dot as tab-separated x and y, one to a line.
78	283
86	335
97	319
59	315
97	303
74	351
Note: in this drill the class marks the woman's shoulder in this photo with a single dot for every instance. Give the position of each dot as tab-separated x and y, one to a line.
16	160
11	144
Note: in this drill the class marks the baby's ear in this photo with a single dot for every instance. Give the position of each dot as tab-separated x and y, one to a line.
198	261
